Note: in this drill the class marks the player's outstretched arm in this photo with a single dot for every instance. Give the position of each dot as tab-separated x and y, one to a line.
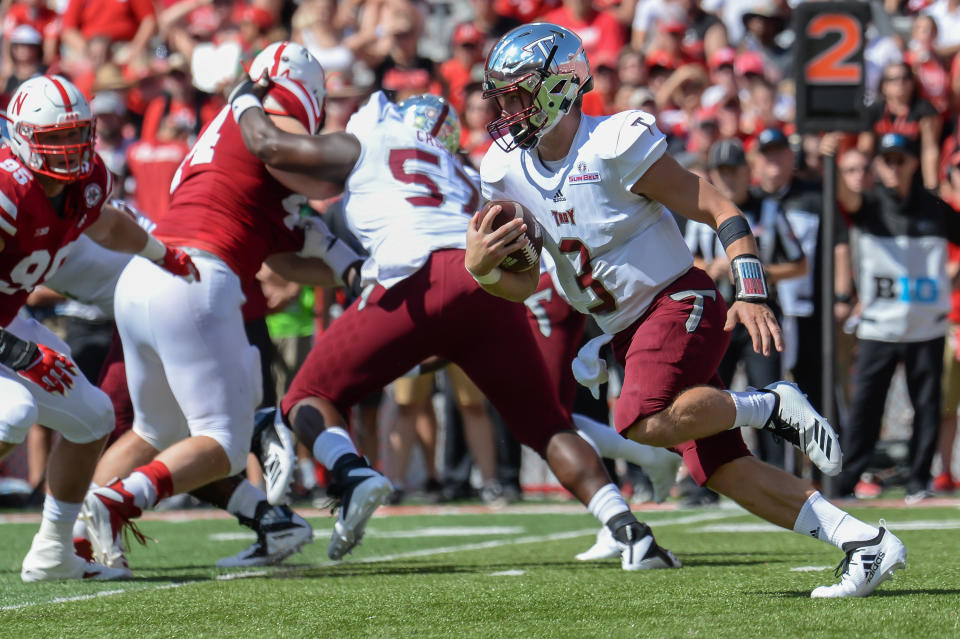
486	248
118	231
329	157
693	197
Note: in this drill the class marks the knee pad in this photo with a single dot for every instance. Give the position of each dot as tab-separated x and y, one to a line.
101	409
17	413
234	441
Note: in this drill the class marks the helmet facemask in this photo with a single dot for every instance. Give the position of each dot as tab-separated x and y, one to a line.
61	151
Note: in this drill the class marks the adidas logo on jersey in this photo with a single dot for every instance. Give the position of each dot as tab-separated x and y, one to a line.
559	196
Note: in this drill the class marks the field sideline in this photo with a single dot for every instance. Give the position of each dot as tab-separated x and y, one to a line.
469	571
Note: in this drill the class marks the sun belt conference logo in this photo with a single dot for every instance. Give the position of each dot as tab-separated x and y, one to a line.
584	176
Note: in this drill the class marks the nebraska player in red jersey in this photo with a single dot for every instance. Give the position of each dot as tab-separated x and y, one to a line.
52	189
194	378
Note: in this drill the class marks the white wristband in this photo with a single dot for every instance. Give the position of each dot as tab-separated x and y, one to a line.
154	249
490	278
242	103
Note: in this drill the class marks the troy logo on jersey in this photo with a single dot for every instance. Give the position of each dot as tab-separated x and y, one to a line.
564	217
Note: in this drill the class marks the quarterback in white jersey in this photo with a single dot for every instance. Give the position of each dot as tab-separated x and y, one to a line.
598	186
410	205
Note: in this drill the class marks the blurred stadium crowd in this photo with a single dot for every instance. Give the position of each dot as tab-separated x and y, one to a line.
716	73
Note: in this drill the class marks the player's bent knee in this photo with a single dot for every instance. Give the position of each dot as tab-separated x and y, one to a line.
17	414
95	420
235	448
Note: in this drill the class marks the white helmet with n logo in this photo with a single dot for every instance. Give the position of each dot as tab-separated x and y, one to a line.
51	128
292	67
546	65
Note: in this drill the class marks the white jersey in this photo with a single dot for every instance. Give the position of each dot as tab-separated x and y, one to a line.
614	250
406	197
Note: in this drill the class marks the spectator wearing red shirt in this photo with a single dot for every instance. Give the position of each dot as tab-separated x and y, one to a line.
119	21
457	72
524	10
178	99
920	55
601	32
36	14
153	163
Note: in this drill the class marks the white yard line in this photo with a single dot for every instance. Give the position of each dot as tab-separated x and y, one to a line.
425	552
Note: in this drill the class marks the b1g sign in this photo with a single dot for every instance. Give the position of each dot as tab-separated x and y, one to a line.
829	65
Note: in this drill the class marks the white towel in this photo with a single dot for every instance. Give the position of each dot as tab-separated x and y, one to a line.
589	368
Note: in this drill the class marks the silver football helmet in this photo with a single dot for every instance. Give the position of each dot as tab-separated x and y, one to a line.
544	64
433	115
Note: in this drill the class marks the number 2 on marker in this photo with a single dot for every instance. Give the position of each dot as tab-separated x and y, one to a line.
831	66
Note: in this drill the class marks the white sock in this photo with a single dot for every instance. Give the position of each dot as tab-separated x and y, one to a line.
307	477
611	444
244	500
753	408
58	518
607	503
331	445
822	520
143	491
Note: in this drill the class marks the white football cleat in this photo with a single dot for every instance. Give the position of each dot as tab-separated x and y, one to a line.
280	533
360	491
274	448
639	550
795	420
107	513
605	547
662	473
867	565
50	559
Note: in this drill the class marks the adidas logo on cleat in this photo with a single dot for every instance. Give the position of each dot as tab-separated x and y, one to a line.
871	563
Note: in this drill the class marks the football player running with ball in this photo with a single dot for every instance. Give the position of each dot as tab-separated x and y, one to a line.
52	189
620	257
408	200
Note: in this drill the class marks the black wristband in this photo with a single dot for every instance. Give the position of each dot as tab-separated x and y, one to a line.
732	229
748	279
843	298
15	352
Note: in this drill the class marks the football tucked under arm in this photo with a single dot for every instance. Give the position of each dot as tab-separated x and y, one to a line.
489	248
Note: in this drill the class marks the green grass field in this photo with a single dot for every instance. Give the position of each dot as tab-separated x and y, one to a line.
509	573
